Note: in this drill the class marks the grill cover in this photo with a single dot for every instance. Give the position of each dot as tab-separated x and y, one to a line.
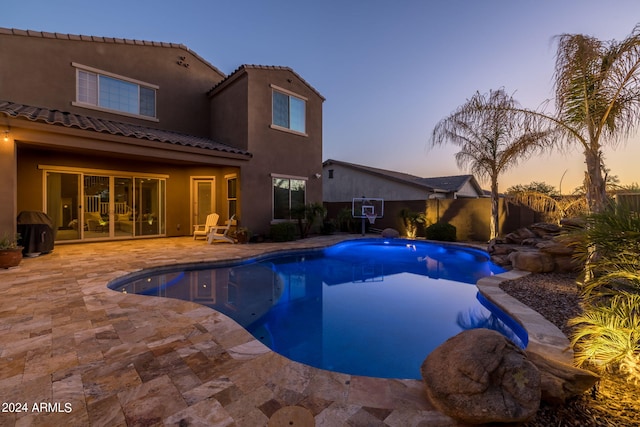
36	232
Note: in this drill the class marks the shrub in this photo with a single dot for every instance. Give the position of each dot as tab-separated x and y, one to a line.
346	222
307	215
411	221
608	246
328	227
442	232
607	336
283	232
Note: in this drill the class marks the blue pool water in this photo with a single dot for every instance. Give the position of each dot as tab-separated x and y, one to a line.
365	307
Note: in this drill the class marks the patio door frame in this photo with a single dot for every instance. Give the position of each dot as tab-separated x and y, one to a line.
195	199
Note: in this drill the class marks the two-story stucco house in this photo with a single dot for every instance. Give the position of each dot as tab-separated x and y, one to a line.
119	139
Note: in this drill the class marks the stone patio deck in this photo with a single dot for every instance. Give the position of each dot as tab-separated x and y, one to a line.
75	353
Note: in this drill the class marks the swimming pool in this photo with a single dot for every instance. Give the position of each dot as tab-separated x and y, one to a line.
370	307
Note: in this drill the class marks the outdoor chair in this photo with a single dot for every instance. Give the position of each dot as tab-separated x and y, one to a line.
202	230
220	232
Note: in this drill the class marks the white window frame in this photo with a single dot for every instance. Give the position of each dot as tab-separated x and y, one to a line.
84	68
290	95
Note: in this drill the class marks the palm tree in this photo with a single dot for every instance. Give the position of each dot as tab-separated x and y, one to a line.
597	99
492	136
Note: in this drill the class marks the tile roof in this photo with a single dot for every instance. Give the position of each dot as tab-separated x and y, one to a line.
446	184
449	183
99	39
245	67
71	120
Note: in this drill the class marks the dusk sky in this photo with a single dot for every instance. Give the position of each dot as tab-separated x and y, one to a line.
389	70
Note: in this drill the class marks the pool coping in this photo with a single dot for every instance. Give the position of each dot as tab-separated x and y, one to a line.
545	338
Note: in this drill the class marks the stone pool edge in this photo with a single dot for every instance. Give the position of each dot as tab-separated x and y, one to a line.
544	337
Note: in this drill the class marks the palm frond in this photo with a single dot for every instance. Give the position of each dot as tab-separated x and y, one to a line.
608	336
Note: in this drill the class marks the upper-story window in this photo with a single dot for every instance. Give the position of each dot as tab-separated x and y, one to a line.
109	92
289	110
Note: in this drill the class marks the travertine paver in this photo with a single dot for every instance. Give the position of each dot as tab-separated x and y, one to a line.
73	352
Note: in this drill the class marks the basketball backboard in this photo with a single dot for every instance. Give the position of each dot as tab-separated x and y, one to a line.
367	207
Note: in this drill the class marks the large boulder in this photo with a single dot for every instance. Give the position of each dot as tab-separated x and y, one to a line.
479	376
554	248
534	262
390	233
559	381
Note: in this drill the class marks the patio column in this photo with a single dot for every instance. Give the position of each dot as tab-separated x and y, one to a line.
8	178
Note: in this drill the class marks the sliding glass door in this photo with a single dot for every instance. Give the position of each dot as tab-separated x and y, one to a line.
64	204
97	197
149	209
123	213
90	206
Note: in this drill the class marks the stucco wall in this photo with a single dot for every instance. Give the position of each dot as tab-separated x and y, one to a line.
471	217
348	183
276	151
40	73
178	220
229	113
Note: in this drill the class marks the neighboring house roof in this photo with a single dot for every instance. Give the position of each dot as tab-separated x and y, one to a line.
245	67
453	183
444	184
393	175
98	39
71	120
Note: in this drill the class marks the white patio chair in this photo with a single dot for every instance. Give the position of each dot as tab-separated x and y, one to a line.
220	232
202	230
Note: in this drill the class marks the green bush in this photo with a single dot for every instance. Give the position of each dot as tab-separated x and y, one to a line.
308	215
283	232
607	333
412	221
608	247
441	232
607	336
346	222
328	227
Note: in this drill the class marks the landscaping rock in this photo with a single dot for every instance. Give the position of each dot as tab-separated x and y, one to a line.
540	237
560	382
554	248
502	249
544	229
501	260
535	262
567	264
519	235
573	223
533	241
479	376
390	233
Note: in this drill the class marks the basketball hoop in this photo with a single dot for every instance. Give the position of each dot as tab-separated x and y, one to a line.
367	208
371	217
